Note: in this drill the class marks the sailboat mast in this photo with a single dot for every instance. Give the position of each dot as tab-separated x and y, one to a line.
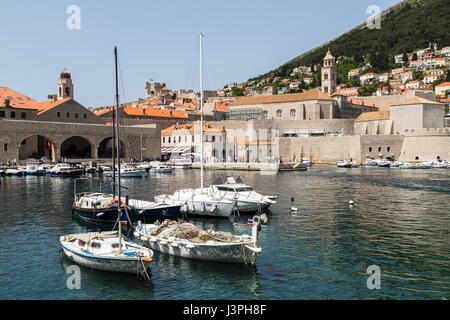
201	111
119	206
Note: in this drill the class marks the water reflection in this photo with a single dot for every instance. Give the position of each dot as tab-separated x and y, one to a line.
399	221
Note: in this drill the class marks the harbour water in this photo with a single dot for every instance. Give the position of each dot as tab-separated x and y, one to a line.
399	221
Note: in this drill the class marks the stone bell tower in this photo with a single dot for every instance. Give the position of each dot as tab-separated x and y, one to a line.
329	78
65	85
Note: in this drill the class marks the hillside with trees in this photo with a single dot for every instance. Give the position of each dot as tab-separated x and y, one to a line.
406	27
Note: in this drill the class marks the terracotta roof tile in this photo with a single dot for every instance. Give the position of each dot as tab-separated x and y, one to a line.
313	94
374	116
415	100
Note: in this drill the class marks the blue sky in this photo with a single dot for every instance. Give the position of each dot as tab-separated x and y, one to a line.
159	40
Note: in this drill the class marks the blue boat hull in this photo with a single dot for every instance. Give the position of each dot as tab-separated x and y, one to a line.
171	212
106	216
74	173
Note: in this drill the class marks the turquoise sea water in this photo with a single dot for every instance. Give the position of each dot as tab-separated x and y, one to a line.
400	222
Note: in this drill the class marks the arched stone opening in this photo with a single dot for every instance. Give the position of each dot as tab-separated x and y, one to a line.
76	148
105	148
37	147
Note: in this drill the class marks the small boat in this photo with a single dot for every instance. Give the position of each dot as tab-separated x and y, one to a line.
33	169
14	172
199	202
97	207
65	169
184	239
144	166
247	199
180	163
127	171
384	164
354	164
396	164
439	165
90	167
108	251
343	164
370	163
104	168
162	169
307	162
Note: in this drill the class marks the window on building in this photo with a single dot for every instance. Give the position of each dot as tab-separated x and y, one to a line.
417	157
193	138
179	138
185	138
5	147
279	114
12	115
58	114
169	140
293	114
24	142
266	115
76	115
370	149
23	115
388	149
84	115
2	114
67	114
164	139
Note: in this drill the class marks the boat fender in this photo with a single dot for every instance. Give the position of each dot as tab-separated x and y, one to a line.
190	246
163	242
147	259
174	244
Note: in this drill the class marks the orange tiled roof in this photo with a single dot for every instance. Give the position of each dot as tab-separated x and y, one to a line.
415	100
17	99
189	127
103	111
445	84
313	94
374	116
154	112
44	106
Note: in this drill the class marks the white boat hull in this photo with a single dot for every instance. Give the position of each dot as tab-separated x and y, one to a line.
115	265
222	253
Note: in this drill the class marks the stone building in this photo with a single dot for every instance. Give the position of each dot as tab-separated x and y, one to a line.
310	105
186	138
329	77
62	127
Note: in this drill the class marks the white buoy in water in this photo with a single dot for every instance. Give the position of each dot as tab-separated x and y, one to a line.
351	202
294	209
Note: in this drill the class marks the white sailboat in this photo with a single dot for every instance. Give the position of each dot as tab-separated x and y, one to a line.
200	201
109	250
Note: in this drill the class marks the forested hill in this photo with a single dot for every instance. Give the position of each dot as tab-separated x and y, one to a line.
410	25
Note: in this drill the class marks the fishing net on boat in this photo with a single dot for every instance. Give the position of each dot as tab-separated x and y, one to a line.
185	230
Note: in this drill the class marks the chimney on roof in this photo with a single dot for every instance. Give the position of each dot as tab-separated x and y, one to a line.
52	97
6	103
